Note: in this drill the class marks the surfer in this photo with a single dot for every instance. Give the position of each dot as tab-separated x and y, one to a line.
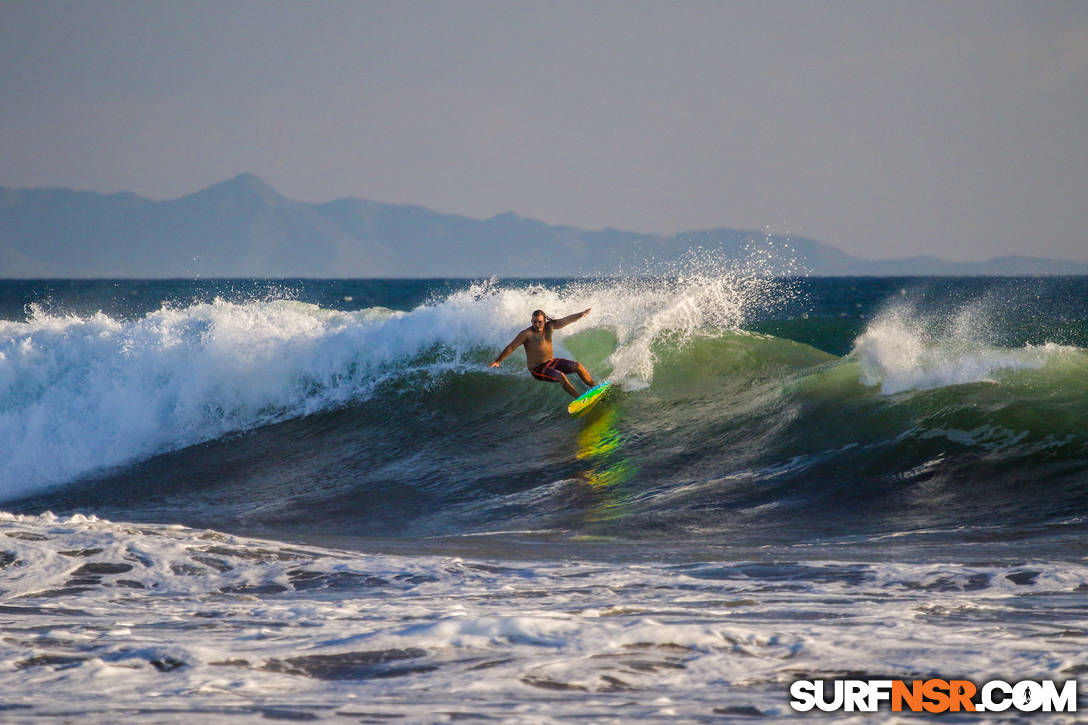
537	339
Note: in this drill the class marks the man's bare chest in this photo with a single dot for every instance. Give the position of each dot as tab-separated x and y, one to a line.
537	341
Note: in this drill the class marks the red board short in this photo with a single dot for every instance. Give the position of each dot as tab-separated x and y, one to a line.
552	371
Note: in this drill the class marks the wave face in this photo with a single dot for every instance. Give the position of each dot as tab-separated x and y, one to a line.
862	407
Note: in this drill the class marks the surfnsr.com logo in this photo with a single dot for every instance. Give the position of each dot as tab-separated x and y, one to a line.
933	695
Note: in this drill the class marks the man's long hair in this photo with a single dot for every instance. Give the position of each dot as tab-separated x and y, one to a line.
547	326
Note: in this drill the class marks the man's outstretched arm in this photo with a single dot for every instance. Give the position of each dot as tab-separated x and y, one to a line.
506	351
564	321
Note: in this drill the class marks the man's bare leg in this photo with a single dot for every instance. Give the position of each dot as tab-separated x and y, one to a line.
568	387
585	376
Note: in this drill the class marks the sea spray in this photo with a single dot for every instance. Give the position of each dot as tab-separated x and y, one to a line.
82	393
904	349
703	293
79	394
381	422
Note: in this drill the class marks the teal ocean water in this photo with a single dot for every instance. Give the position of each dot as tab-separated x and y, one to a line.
312	499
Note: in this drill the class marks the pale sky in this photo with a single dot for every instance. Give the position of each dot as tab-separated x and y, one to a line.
888	129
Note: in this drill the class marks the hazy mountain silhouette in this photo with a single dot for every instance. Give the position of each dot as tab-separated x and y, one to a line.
244	228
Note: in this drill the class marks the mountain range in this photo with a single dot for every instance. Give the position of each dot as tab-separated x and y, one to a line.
244	228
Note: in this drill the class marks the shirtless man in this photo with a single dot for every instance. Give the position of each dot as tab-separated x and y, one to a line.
537	339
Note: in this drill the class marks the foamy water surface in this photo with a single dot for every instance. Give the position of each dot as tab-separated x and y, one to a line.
162	622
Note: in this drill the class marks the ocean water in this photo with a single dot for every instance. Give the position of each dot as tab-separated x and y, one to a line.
248	500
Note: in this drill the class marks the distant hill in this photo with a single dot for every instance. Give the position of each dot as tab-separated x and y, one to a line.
244	228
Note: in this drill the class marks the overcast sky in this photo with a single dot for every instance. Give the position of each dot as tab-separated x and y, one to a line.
885	128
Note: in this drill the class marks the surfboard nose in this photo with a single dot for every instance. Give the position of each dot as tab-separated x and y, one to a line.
587	399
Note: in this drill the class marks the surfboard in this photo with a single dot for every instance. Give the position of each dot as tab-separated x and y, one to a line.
588	399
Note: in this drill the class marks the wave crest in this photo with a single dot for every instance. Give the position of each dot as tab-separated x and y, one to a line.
902	350
78	394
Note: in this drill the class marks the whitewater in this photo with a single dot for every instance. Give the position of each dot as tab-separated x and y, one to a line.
84	393
312	500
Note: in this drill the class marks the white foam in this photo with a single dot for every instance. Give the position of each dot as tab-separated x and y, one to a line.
903	350
229	625
80	394
77	394
702	295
